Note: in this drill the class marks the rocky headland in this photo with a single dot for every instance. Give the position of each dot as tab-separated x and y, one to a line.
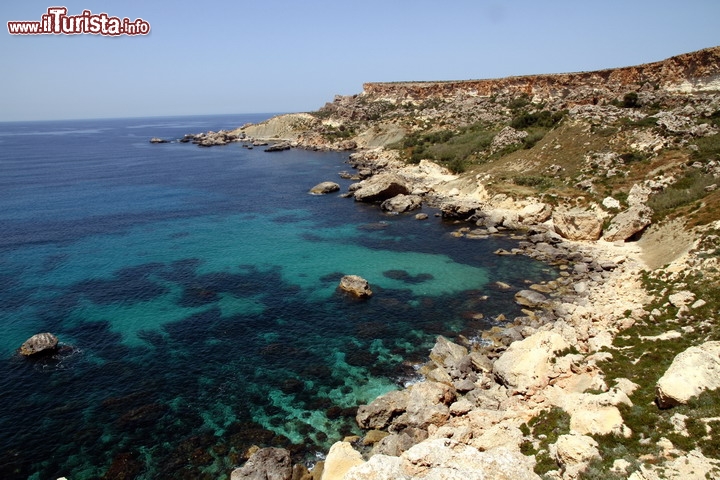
611	176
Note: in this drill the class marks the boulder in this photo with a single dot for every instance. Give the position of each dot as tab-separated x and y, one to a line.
574	452
693	371
427	404
461	208
265	464
534	214
158	140
577	225
402	203
341	458
42	342
446	353
526	365
324	187
381	187
628	223
380	413
355	286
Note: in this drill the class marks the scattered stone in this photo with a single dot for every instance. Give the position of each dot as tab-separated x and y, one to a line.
41	342
421	216
158	140
355	286
324	187
682	298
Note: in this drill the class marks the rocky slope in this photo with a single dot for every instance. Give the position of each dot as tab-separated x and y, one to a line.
610	175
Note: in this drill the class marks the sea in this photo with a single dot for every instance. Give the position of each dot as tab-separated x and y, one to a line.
194	293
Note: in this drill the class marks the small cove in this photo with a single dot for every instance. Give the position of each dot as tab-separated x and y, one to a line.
195	293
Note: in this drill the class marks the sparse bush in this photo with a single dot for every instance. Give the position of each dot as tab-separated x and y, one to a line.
685	191
631	100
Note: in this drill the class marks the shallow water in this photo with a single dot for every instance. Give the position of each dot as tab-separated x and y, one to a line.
194	293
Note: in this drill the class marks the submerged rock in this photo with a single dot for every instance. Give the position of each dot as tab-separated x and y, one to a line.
355	286
42	342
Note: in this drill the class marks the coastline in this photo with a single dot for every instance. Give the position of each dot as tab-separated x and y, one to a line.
576	385
567	329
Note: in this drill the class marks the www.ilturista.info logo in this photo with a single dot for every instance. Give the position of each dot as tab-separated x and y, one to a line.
57	21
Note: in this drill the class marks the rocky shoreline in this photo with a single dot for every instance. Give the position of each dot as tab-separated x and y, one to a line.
583	384
471	411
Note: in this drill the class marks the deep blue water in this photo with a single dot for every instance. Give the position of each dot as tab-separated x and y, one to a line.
194	293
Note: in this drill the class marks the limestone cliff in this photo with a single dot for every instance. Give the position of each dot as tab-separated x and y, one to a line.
687	73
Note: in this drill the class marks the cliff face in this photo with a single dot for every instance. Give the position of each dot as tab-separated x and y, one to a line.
687	73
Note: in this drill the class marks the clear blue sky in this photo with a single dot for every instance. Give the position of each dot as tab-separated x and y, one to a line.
252	56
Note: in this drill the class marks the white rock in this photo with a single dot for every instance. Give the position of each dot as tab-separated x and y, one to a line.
610	202
693	371
526	364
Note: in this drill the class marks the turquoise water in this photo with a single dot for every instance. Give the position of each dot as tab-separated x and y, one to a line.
194	293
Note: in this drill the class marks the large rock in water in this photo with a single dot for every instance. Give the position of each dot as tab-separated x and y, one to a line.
577	225
325	187
628	223
42	342
381	187
355	286
265	464
691	372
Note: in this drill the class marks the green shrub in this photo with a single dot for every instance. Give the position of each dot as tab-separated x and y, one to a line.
685	191
544	118
631	100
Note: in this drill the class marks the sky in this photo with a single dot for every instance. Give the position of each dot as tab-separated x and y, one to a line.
266	56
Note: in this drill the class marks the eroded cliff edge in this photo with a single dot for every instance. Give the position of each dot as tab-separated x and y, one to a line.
613	177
